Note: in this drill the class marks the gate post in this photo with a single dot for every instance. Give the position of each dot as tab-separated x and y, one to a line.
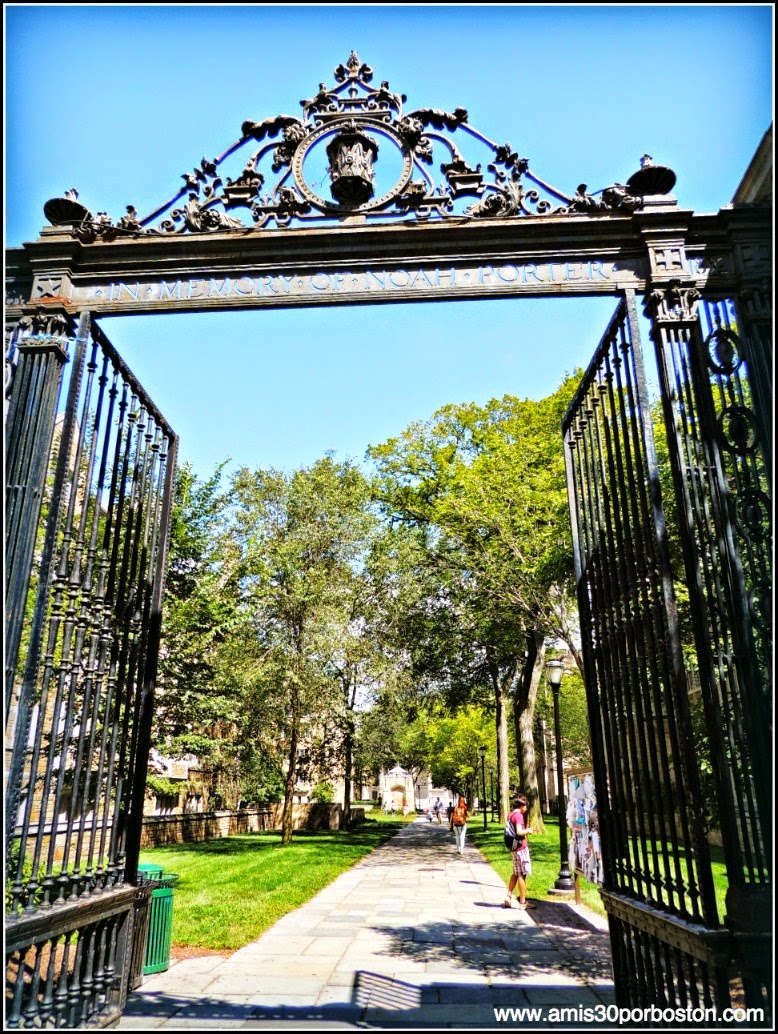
735	698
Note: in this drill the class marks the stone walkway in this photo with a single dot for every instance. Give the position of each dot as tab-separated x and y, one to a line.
414	936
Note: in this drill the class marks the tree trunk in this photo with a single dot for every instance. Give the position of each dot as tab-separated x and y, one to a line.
524	715
470	791
348	765
499	688
349	687
289	785
568	632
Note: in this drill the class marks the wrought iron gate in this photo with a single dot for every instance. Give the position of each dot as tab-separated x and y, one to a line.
671	947
89	491
87	519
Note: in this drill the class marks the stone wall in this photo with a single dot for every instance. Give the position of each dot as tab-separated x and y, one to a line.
210	825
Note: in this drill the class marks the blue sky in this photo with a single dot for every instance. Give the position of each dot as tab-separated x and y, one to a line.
120	101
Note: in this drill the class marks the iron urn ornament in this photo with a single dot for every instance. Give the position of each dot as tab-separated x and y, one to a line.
351	156
651	179
66	210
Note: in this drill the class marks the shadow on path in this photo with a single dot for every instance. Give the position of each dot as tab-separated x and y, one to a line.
372	1001
585	948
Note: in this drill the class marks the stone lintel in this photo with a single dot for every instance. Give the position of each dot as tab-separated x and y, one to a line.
572	255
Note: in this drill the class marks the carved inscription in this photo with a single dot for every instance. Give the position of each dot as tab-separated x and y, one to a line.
528	277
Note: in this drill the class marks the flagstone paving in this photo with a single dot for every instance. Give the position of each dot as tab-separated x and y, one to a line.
413	936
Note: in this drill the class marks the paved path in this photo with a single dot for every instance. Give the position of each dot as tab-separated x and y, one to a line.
414	936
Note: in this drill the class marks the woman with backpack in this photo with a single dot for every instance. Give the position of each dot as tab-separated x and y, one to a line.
459	823
517	828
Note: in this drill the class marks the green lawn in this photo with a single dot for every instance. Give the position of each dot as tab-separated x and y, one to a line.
233	889
546	858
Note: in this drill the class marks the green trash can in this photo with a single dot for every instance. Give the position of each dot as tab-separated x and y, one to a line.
157	957
149	871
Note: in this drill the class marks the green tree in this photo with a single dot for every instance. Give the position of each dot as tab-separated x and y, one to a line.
450	744
382	740
361	656
487	485
196	709
301	537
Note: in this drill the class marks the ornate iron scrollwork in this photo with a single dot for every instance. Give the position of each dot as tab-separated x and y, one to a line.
378	160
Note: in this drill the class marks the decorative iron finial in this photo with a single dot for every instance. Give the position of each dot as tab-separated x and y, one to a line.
353	69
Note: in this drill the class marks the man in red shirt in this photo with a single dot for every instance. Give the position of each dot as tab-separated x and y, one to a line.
522	866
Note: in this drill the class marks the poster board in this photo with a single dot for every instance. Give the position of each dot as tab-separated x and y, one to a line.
585	849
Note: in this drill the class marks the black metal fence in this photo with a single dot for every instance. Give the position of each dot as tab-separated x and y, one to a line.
89	491
714	377
669	948
672	502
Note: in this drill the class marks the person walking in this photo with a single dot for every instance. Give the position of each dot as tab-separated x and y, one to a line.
459	823
522	865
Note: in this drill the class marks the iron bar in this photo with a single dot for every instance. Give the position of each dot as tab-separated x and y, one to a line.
622	580
30	427
717	460
725	648
695	939
46	581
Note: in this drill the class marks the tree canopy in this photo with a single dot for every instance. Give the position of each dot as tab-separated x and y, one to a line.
486	487
327	622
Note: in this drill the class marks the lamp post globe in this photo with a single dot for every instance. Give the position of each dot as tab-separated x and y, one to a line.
564	883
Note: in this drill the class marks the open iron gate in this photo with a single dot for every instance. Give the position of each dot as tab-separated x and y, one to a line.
670	945
89	493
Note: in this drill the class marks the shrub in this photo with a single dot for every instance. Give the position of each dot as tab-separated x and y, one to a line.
323	793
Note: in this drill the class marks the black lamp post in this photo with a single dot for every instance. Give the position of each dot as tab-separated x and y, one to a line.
482	752
564	882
